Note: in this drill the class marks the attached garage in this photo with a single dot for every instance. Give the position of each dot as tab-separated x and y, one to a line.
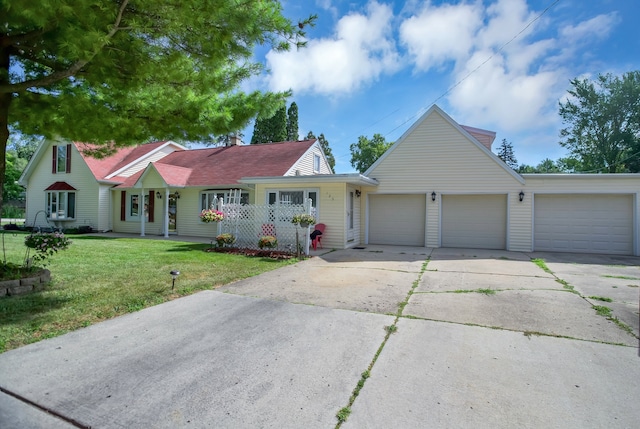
584	223
397	219
474	221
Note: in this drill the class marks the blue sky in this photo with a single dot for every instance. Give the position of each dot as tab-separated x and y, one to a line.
502	65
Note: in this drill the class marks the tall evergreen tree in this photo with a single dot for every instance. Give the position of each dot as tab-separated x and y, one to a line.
292	122
325	147
505	153
272	129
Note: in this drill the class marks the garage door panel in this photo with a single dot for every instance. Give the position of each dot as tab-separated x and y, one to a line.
474	221
397	219
584	223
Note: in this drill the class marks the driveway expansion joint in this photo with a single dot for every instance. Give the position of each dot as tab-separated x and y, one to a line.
44	409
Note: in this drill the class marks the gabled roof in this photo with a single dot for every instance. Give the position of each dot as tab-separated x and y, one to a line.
223	166
472	140
106	168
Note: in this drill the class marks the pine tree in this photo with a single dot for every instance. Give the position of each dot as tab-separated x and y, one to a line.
292	122
273	129
505	153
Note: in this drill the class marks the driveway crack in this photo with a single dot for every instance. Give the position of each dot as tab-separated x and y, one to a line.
344	412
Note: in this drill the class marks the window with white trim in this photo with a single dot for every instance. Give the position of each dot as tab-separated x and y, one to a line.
61	205
61	162
208	197
294	196
134	206
316	163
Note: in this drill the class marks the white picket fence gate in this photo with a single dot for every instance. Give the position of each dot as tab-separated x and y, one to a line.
249	222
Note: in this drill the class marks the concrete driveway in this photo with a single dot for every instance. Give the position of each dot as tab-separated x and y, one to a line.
480	339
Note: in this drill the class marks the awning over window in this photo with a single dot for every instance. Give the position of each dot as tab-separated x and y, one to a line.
60	186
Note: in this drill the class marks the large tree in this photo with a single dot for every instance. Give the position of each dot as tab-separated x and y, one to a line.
366	152
122	72
328	153
602	118
292	122
505	153
271	129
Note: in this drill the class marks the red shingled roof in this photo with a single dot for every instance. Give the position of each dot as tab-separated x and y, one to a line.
101	168
60	186
226	165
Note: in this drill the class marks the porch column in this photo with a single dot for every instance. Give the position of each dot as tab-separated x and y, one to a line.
141	213
166	212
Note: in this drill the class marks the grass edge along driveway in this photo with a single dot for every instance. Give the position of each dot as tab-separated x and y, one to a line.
98	278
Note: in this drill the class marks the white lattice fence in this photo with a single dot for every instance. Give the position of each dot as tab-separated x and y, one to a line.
250	222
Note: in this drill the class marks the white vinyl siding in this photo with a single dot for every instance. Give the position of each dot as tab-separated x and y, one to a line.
305	165
87	203
584	223
397	219
474	221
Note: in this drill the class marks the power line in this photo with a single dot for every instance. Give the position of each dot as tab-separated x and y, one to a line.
455	85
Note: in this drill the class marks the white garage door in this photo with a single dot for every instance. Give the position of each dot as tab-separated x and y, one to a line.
474	221
397	219
584	223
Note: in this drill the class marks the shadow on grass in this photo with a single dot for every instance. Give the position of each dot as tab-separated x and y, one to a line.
189	247
26	307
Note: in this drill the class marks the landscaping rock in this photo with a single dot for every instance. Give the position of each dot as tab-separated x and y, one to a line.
19	290
30	281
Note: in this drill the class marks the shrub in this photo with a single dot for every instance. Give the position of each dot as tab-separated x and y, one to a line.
225	239
267	241
45	245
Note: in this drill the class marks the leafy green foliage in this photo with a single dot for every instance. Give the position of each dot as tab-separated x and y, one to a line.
547	165
325	147
46	245
602	118
366	152
125	72
271	129
292	122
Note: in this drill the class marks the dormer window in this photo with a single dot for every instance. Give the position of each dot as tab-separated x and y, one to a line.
61	156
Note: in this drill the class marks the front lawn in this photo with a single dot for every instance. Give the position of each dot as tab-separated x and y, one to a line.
98	278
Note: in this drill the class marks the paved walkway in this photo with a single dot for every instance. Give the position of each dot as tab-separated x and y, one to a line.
445	338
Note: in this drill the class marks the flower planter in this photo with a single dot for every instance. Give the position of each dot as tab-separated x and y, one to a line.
26	285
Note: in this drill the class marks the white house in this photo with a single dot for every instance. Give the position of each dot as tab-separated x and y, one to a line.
439	185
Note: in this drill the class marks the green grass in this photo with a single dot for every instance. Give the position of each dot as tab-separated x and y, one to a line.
602	310
622	277
601	298
542	264
99	278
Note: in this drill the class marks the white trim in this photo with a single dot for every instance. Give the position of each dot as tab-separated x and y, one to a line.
351	178
146	155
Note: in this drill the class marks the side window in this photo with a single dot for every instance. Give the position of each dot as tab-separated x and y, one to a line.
135	205
316	163
61	159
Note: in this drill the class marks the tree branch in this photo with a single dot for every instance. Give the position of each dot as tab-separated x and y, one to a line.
19	38
72	70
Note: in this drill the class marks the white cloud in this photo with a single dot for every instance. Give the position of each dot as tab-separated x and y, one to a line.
360	50
440	34
598	27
